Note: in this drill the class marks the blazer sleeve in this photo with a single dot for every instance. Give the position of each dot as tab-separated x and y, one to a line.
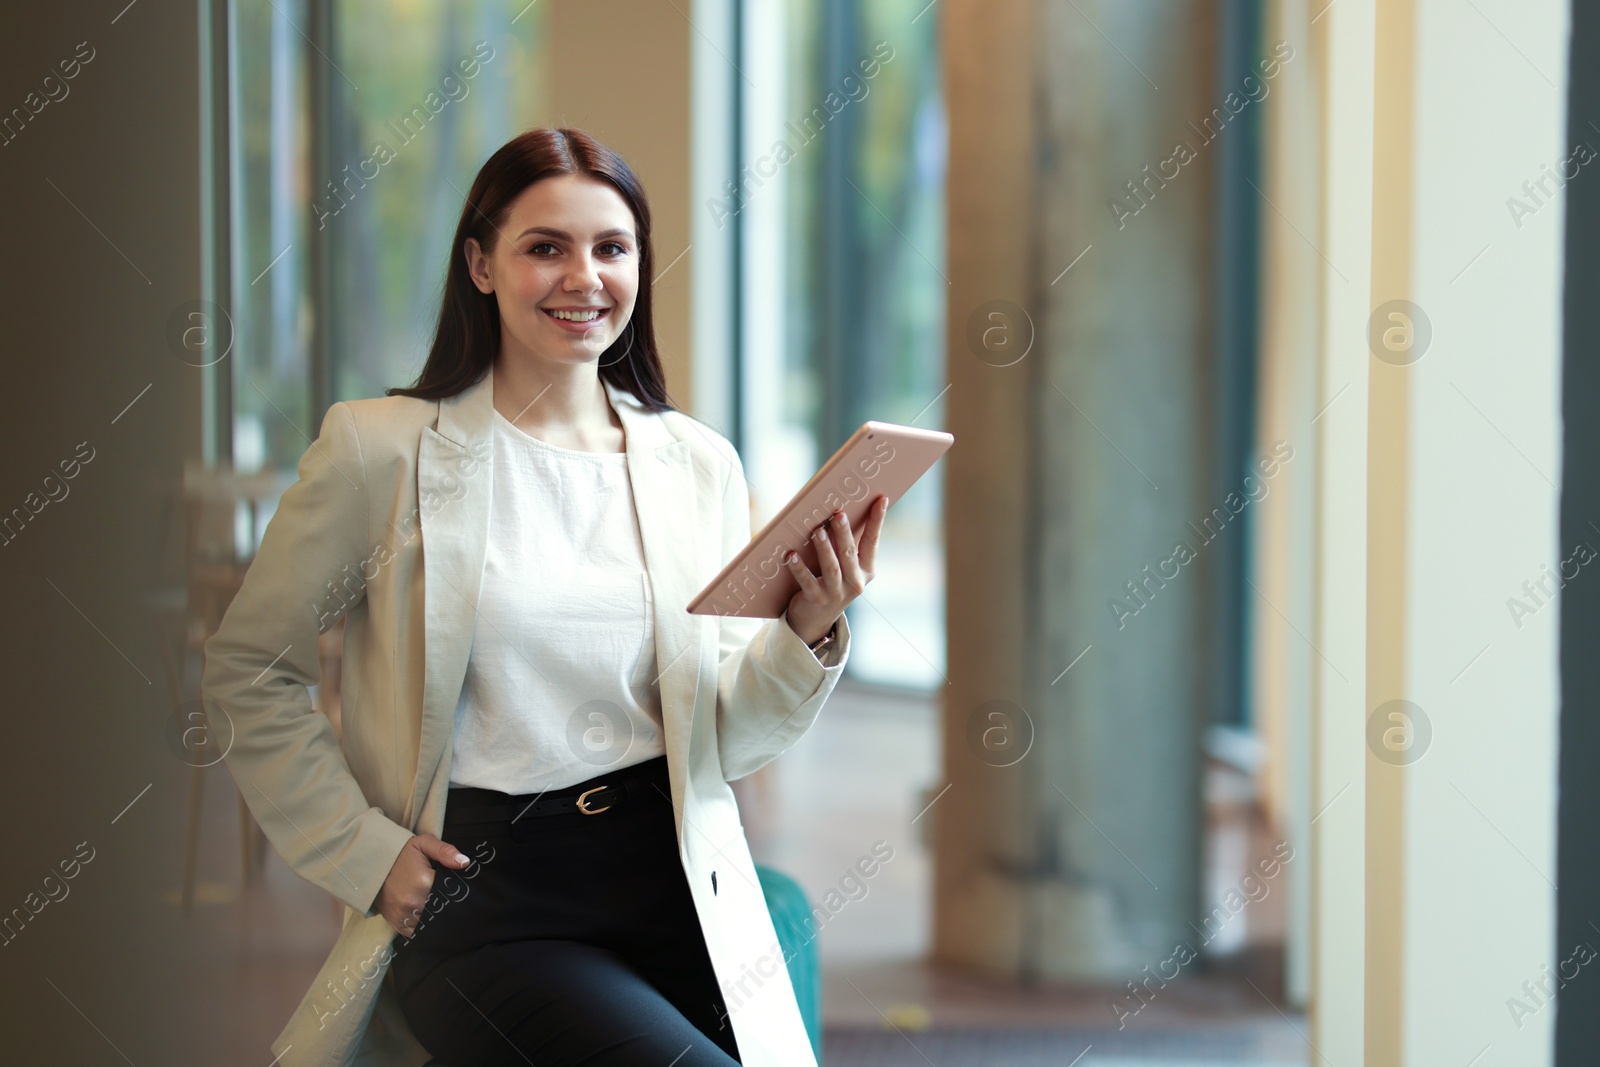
262	660
770	686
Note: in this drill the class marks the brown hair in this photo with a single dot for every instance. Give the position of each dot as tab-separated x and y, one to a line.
468	335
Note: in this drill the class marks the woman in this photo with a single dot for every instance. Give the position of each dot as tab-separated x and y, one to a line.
513	541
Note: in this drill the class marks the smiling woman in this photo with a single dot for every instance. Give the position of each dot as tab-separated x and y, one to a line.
524	671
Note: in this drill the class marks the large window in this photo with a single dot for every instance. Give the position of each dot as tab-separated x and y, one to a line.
271	248
844	251
358	127
441	87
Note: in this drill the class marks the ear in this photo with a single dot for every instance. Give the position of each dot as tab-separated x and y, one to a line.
478	265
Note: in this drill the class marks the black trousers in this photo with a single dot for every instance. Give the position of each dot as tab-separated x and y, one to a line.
575	941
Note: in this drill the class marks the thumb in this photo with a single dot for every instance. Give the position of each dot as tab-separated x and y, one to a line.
446	854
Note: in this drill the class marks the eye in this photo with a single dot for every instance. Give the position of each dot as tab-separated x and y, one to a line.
616	248
533	250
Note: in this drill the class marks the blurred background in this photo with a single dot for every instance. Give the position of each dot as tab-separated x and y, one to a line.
1224	695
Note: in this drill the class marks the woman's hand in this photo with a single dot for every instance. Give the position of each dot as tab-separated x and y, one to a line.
847	567
405	891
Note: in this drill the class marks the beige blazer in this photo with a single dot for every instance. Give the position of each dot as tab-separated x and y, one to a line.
387	524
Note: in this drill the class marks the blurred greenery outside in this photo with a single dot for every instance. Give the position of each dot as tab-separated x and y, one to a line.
396	207
390	235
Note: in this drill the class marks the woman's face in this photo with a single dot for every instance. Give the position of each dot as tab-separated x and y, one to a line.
564	270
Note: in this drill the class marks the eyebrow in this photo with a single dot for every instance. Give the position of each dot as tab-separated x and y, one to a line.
565	236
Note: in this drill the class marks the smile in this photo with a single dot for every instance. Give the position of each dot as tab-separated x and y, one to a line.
583	315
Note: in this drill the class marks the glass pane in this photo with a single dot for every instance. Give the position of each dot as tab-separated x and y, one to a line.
865	287
430	90
271	297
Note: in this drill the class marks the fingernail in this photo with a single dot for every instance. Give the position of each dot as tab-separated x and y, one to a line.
461	859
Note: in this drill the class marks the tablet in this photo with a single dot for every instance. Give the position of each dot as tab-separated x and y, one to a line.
880	457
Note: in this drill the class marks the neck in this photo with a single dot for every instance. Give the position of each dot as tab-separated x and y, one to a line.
548	396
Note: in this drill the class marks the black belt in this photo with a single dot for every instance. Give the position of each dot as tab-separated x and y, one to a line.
592	797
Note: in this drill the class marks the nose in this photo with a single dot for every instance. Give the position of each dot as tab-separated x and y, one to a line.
583	275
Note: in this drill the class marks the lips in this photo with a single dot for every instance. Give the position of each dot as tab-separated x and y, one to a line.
577	320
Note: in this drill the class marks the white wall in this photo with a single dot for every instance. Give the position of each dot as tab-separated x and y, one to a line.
1485	462
1434	489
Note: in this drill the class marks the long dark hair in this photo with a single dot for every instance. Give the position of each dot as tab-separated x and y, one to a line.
468	335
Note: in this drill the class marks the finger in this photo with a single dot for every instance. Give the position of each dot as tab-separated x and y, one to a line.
828	558
808	581
850	576
446	854
867	547
844	532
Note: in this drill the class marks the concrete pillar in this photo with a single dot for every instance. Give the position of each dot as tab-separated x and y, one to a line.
1068	844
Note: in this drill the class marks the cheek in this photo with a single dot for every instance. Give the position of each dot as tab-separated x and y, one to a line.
624	287
533	280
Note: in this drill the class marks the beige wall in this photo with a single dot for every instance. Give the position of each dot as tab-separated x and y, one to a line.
631	90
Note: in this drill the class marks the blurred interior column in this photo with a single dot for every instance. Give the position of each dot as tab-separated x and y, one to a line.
1081	257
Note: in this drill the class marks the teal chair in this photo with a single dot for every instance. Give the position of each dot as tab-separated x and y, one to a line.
791	918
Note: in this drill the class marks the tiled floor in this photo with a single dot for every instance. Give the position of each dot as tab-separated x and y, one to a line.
1043	1048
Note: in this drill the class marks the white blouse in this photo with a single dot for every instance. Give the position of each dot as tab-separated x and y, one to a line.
560	683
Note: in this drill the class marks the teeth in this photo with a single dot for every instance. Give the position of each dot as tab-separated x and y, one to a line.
577	316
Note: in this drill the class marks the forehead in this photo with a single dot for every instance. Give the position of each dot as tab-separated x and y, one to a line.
575	203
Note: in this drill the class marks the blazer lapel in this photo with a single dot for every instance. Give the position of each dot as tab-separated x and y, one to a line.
455	477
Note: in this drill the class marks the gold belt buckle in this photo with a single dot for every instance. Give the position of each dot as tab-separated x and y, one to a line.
583	802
